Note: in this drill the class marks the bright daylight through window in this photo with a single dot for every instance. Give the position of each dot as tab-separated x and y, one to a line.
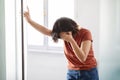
55	9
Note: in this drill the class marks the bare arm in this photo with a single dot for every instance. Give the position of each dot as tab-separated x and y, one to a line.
40	28
37	26
80	52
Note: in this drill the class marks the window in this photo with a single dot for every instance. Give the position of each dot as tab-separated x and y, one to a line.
57	9
36	12
46	12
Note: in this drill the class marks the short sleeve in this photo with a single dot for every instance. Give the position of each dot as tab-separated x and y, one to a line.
87	36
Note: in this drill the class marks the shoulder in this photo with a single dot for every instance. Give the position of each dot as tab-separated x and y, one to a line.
84	31
86	34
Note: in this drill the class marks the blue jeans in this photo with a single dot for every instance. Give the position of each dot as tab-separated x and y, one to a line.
91	74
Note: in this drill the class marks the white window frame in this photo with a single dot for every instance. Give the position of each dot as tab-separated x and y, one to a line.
13	40
45	47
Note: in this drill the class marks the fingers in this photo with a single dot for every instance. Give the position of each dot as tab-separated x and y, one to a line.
26	13
65	33
69	33
27	9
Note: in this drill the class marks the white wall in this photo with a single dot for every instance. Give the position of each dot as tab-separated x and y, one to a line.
46	66
109	40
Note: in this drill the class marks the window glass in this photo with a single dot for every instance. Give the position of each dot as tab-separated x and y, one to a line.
36	12
57	9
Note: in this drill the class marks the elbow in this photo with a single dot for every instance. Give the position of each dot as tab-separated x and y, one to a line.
83	59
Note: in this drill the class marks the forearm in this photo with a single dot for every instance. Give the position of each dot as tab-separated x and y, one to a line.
40	28
78	51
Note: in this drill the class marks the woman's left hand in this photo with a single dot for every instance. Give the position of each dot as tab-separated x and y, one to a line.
66	36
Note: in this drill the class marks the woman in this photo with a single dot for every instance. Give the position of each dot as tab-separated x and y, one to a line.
78	50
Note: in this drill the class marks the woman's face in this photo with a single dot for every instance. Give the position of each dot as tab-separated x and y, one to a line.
65	33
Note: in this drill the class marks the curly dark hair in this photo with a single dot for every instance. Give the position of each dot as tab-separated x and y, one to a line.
63	24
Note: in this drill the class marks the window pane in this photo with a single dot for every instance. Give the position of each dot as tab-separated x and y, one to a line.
57	9
36	12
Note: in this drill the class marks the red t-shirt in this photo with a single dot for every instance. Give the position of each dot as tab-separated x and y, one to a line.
73	61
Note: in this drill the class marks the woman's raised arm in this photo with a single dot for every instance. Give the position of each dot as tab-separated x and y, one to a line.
37	26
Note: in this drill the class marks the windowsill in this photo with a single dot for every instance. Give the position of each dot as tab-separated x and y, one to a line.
44	49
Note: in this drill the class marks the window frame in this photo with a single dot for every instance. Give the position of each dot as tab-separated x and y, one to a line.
46	47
